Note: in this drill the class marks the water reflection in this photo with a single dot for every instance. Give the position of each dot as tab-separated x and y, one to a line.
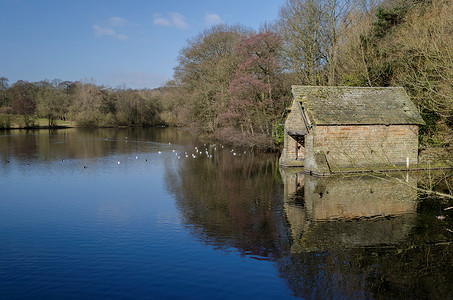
231	200
362	210
80	143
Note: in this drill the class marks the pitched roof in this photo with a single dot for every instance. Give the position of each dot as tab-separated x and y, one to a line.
357	105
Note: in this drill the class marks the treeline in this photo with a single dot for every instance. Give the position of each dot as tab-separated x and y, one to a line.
84	103
233	83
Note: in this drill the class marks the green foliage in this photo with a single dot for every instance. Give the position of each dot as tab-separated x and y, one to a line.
5	121
353	80
387	18
428	131
279	133
87	119
431	119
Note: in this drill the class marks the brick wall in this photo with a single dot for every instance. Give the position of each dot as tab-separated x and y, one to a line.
360	146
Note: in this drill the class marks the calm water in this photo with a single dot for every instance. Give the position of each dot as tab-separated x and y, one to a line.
122	213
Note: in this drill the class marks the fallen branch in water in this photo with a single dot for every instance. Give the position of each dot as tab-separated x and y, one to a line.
426	191
435	193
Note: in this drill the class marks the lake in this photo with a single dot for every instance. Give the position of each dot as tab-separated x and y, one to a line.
159	214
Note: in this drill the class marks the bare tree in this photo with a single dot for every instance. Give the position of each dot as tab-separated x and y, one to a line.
26	107
337	15
300	24
313	31
204	71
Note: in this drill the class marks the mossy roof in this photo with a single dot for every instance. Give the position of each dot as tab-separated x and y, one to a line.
357	105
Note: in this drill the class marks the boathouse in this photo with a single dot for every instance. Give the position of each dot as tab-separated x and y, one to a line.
342	129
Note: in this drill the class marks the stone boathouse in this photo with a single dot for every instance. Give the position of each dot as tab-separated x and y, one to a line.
346	129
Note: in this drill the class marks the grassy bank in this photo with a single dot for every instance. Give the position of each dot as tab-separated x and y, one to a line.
10	121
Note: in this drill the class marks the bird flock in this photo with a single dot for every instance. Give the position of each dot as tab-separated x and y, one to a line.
207	151
201	151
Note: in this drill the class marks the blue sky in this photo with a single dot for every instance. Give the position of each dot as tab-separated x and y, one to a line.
132	43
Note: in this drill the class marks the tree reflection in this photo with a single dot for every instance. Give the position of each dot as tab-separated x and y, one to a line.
231	200
84	143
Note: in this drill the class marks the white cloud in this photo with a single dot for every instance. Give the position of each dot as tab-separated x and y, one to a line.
99	31
212	19
178	21
118	21
121	37
175	19
161	21
109	28
106	31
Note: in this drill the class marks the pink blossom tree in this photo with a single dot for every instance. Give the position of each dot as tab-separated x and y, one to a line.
257	88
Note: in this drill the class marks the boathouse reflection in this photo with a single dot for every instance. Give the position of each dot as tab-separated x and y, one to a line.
347	212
